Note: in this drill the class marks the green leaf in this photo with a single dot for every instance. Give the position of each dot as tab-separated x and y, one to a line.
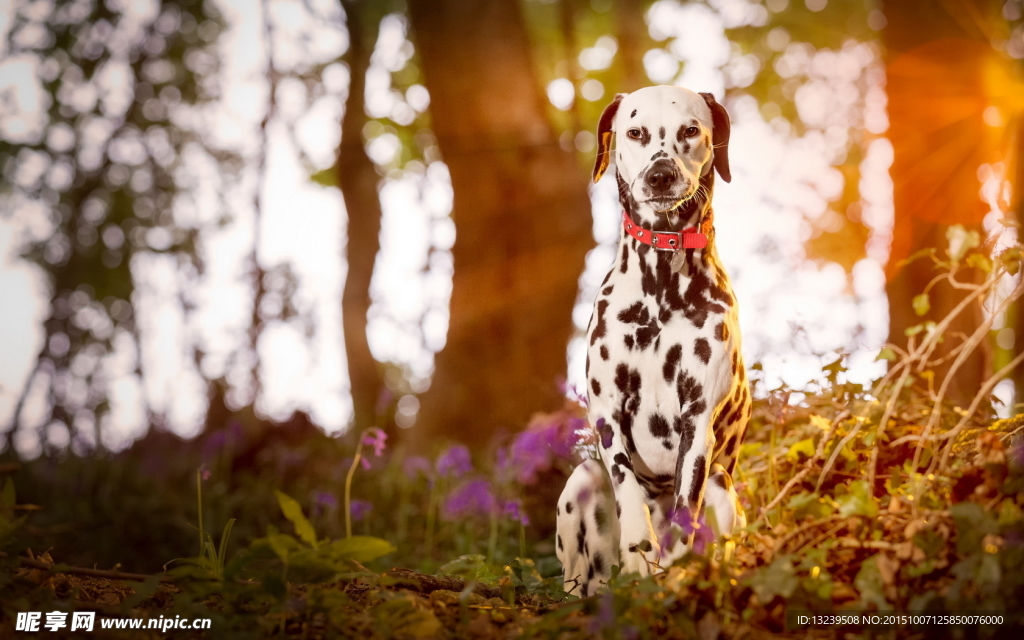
886	354
327	177
858	502
980	261
777	579
471	567
973	523
806	504
360	548
805	447
870	585
293	512
916	256
282	544
921	304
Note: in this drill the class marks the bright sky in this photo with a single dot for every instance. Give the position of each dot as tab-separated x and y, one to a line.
780	182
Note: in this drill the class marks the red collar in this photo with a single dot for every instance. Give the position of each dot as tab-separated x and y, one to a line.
690	238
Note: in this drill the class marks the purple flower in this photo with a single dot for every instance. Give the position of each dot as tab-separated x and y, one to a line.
325	499
415	465
702	530
376	438
360	509
454	462
536	449
514	510
468	499
605	617
575	394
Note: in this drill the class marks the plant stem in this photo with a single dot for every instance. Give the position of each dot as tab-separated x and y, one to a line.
492	540
431	507
199	505
348	486
522	540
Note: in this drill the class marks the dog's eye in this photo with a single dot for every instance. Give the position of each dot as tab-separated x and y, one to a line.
691	131
634	134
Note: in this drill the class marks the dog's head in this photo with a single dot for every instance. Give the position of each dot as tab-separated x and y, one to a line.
666	140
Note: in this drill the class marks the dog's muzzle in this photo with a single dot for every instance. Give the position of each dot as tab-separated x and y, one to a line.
662	178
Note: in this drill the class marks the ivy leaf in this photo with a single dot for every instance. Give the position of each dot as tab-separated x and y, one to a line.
921	304
973	523
870	584
858	502
291	509
805	447
777	579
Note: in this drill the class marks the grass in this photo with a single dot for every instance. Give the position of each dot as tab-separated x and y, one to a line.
881	498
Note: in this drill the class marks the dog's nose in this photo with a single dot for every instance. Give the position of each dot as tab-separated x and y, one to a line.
661	176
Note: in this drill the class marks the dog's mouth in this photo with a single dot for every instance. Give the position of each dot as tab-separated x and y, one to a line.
670	202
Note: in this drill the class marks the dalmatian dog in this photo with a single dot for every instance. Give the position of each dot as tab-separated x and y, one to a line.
669	398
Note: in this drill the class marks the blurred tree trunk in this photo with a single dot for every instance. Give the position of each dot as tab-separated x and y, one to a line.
911	26
358	179
634	41
522	214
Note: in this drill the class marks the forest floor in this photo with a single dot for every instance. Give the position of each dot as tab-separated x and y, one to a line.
837	523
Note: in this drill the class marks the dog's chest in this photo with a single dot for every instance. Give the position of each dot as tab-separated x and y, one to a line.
655	330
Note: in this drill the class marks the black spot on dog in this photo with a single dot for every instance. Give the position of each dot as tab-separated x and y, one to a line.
601	519
606	432
645	137
668	370
643	545
720	479
661	133
604	352
658	425
625	258
600	329
636	313
628	341
623	459
627	381
590	572
633	115
599	563
618	509
702	350
618	474
700	473
580	535
721	332
595	386
568	507
559	539
607	290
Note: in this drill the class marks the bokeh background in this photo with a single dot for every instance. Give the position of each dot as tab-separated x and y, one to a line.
301	217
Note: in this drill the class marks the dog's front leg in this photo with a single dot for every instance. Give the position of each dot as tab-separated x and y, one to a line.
695	449
639	551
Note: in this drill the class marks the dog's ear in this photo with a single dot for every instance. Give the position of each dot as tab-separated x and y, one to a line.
605	134
719	137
